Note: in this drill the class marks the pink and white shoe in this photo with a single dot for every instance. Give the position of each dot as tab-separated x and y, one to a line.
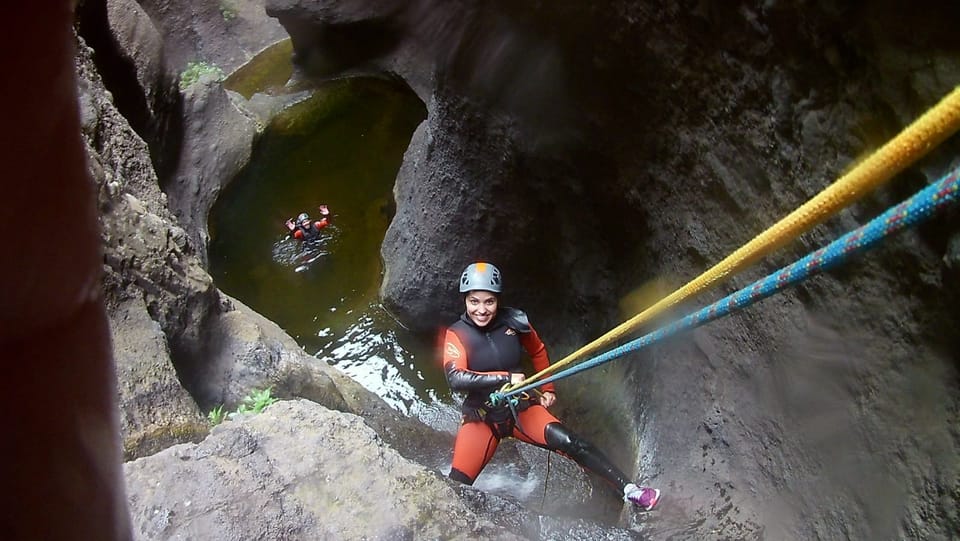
645	498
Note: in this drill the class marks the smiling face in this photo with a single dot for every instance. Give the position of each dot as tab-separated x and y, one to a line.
481	307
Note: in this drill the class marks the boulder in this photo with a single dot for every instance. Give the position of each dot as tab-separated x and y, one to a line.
242	350
295	471
218	136
156	411
225	33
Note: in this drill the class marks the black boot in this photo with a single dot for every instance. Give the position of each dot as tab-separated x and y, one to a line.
562	439
459	476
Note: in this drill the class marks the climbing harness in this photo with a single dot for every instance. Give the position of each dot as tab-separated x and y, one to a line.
908	213
915	141
494	410
500	399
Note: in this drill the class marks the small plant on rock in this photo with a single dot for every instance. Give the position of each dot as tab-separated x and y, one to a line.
258	400
253	403
217	415
195	70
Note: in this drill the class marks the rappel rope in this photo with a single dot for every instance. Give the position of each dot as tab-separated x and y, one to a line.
912	211
916	140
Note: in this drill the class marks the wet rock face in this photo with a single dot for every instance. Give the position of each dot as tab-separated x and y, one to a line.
217	140
156	411
199	137
130	59
649	142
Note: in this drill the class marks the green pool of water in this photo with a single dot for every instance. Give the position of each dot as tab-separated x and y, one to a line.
342	148
268	72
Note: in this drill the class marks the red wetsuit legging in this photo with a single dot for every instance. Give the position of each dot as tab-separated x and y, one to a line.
476	441
478	361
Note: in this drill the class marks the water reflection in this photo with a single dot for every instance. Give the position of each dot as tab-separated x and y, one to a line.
301	255
371	351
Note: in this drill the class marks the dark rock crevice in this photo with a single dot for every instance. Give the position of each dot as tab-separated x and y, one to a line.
345	45
153	108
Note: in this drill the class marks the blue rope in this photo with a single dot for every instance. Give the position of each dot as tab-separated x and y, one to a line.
921	206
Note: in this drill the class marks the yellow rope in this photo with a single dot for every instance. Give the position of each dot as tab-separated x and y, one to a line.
928	131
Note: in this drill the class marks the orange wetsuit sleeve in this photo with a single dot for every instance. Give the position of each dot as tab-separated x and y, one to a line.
459	375
322	223
453	351
538	354
298	234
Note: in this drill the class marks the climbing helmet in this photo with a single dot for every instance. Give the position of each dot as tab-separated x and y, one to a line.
481	276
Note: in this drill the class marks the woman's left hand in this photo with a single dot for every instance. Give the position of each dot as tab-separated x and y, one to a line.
547	399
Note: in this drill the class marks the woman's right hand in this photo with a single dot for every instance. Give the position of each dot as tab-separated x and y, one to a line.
516	378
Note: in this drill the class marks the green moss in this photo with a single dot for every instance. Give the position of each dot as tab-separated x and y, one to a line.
228	9
195	70
157	438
